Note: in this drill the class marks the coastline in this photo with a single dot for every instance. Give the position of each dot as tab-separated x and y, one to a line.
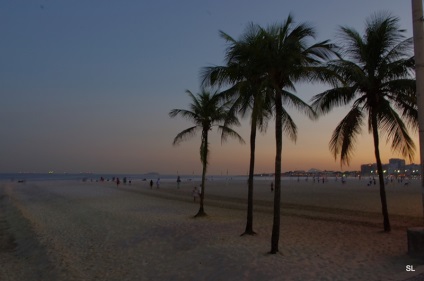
96	231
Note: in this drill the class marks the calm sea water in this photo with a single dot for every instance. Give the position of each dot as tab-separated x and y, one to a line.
134	177
30	177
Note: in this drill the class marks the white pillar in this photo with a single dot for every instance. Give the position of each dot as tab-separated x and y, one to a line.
416	235
418	33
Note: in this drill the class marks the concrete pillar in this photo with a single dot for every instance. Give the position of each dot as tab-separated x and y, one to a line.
415	241
416	234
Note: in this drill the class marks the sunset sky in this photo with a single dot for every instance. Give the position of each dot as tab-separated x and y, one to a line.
86	86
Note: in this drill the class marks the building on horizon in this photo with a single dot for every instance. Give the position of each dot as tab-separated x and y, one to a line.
395	167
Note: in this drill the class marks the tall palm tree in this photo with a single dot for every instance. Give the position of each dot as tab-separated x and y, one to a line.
206	111
376	73
288	58
248	93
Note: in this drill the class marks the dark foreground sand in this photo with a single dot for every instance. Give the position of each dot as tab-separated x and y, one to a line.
95	231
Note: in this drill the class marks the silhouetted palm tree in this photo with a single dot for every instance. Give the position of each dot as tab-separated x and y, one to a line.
248	94
376	73
287	58
206	111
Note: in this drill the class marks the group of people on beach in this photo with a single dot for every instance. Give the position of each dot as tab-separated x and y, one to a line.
390	179
124	180
157	183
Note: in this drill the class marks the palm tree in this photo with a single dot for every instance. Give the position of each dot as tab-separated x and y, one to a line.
376	81
206	111
287	58
248	93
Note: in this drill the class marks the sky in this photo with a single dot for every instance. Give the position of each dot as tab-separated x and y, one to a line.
87	85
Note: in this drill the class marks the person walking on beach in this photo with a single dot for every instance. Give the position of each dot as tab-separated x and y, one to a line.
195	193
178	181
151	184
157	183
117	182
272	186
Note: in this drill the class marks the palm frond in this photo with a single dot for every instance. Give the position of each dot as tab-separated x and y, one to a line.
228	132
187	114
390	122
351	43
348	72
226	37
321	73
220	76
401	50
327	100
289	127
290	99
402	93
185	135
344	136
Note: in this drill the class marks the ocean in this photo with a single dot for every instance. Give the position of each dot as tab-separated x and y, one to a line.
30	177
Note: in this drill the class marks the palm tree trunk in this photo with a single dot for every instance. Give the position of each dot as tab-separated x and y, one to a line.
277	192
385	212
249	222
204	157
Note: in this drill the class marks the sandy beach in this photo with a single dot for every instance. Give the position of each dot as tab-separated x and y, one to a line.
68	230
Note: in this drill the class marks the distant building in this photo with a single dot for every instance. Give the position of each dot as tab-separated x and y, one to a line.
368	169
413	169
396	167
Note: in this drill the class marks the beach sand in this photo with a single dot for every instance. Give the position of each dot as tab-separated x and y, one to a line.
96	231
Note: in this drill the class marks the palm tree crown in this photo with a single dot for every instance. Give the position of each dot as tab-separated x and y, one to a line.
376	74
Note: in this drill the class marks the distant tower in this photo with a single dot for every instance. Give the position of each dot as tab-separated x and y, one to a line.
396	166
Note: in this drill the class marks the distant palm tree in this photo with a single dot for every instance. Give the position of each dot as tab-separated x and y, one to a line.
286	59
206	111
376	71
248	94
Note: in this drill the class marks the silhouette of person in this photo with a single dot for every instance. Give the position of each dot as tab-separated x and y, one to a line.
195	193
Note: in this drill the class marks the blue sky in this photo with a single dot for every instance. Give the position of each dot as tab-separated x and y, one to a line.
86	86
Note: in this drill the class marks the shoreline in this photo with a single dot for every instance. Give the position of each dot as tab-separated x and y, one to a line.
95	231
